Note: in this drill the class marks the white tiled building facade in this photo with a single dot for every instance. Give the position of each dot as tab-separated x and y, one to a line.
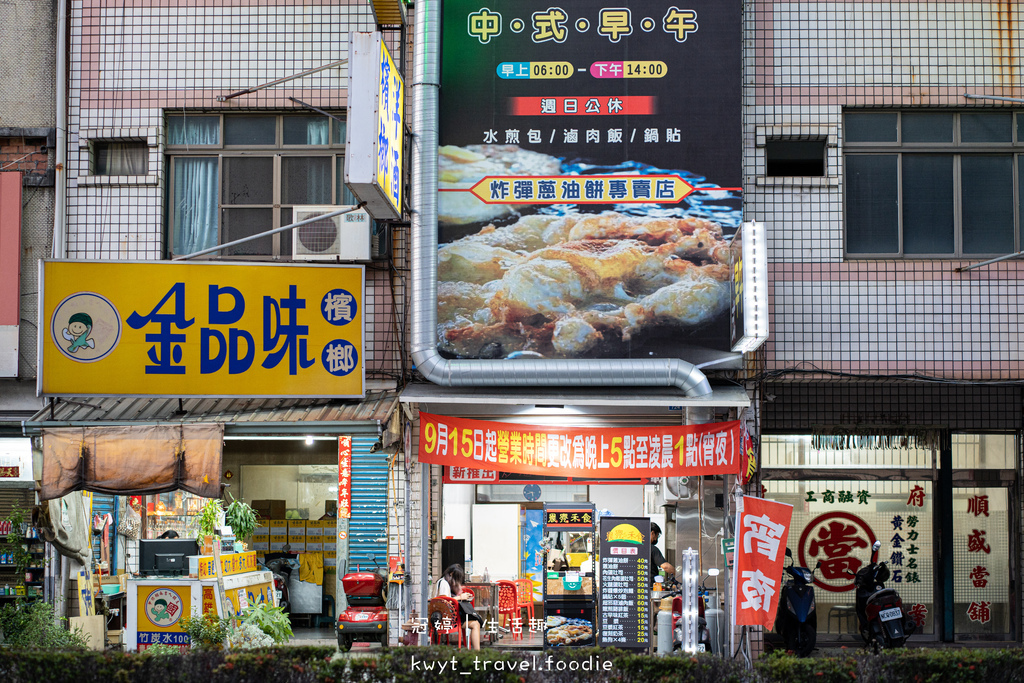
878	344
137	68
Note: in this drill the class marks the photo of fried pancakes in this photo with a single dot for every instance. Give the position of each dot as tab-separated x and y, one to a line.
559	286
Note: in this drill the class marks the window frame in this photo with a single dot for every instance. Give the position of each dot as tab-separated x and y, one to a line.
88	138
335	151
958	150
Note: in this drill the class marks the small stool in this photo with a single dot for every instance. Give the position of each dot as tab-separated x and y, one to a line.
326	617
840	612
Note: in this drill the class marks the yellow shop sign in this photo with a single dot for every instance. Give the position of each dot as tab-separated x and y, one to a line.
231	564
157	328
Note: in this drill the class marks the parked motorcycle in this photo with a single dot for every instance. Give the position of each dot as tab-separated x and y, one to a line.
366	617
281	565
883	623
797	619
674	591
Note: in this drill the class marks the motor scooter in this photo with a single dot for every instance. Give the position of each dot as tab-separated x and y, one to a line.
797	619
675	592
883	623
281	565
366	617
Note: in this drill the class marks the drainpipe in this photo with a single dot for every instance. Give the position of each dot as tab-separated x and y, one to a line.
60	183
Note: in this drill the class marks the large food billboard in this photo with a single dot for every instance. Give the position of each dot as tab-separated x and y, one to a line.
589	173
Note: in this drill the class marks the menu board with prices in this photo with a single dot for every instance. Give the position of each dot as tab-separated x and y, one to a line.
625	598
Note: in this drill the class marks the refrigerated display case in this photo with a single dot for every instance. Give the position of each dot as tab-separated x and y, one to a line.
177	510
570	607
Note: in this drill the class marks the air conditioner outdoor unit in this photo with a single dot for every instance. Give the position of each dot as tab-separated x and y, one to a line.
340	238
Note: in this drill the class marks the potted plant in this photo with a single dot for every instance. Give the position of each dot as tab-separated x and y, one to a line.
208	520
206	631
241	518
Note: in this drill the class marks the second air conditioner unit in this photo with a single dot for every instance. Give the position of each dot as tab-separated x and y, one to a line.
345	237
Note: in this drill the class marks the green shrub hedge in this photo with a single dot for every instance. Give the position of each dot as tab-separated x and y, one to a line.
420	665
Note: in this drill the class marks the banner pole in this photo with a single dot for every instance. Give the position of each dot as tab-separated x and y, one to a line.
731	575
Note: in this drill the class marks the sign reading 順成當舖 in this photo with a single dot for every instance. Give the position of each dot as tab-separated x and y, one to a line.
119	328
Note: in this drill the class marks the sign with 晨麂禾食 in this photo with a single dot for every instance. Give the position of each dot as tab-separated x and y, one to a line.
129	328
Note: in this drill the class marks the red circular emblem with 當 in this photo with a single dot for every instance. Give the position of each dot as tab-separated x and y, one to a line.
842	543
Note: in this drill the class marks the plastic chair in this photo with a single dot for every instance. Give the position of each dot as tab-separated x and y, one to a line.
524	591
472	596
508	606
444	618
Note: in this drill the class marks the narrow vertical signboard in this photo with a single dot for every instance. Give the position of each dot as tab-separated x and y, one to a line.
625	600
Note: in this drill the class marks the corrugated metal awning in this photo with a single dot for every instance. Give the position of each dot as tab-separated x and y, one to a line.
251	416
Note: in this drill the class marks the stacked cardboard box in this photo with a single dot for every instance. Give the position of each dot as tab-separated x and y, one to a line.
269	509
297	535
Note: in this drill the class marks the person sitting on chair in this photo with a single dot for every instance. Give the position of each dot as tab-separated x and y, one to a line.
450	585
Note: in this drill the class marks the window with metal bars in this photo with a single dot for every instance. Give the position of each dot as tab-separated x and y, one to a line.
233	176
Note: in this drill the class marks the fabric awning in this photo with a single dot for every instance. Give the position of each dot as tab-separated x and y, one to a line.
133	460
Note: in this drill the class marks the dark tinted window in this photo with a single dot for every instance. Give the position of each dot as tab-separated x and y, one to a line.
870	127
928	204
995	127
795	157
987	199
250	130
927	127
872	220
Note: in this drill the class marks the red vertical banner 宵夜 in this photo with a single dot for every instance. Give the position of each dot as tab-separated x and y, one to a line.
762	530
344	477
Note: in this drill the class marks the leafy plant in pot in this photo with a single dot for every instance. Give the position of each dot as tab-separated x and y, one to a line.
241	518
209	518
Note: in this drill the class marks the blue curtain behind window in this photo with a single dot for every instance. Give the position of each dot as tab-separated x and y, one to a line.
317	131
195	204
193	130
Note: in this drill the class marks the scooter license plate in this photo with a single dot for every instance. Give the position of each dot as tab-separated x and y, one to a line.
890	614
277	594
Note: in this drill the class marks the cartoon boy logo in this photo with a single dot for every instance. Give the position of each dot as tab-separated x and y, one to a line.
163	607
85	327
159	611
77	332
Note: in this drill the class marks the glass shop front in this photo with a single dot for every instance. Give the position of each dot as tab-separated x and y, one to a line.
848	492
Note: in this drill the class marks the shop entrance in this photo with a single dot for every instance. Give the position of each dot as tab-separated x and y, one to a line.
914	498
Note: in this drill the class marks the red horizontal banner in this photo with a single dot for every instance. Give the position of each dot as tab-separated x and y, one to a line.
613	105
606	453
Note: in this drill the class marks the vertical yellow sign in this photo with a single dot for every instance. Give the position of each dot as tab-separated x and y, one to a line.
390	126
